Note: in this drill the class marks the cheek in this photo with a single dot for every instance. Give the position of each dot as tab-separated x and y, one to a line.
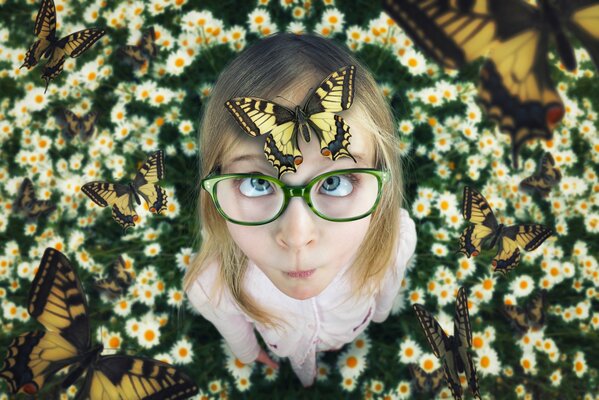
347	236
247	238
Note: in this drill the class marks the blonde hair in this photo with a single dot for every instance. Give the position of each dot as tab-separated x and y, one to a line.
266	69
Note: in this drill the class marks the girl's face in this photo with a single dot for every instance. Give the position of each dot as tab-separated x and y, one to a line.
300	252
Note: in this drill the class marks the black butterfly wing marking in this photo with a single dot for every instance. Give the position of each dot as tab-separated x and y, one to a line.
476	210
28	203
128	377
118	196
151	172
45	30
463	337
581	17
57	301
512	238
543	180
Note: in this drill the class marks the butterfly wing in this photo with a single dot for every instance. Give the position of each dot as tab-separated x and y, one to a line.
526	236
261	117
119	281
27	202
517	317
151	172
582	18
45	30
451	33
57	301
463	337
484	224
535	309
127	377
72	45
434	333
119	197
546	176
148	44
70	123
88	125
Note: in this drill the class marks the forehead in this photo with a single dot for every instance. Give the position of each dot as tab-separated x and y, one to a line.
361	145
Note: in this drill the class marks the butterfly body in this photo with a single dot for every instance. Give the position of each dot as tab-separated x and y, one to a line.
515	87
486	233
282	126
49	46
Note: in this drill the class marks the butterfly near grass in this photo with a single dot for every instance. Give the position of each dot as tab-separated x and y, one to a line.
123	197
544	179
426	381
57	301
49	46
283	126
485	232
531	316
452	350
28	204
144	51
77	126
118	282
515	88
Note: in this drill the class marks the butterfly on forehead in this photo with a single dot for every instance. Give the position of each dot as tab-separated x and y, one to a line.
452	350
485	232
544	179
515	88
123	197
144	51
282	126
77	126
28	203
49	46
57	301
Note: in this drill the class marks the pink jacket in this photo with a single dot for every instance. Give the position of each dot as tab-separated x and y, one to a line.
324	322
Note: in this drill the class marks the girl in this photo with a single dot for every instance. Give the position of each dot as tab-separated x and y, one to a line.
305	282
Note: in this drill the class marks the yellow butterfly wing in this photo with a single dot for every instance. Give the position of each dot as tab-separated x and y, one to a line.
546	176
451	32
584	22
435	335
281	148
119	197
151	172
512	238
28	203
72	45
45	30
516	89
57	301
118	377
476	210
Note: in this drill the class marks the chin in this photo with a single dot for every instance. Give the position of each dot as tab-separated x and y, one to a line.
302	293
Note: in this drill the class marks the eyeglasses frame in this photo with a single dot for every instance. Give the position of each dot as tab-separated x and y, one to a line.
209	184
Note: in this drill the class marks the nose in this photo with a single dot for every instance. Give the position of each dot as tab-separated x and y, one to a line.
296	226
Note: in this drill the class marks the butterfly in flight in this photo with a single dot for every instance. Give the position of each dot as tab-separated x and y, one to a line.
123	197
426	381
452	350
485	232
49	46
57	301
27	202
73	125
515	88
118	282
282	126
143	52
544	179
530	316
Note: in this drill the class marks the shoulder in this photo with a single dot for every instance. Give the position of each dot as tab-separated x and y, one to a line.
207	290
407	235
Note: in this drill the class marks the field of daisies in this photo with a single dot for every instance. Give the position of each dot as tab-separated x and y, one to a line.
447	143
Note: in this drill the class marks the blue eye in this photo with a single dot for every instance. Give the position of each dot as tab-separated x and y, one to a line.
338	185
254	186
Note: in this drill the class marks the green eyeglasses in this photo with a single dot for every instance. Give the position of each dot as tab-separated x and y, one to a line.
256	199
